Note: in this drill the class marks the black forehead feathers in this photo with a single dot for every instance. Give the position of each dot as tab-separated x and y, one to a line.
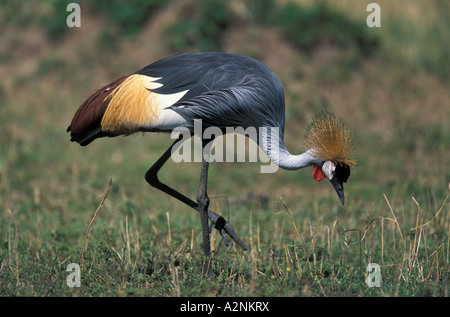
342	172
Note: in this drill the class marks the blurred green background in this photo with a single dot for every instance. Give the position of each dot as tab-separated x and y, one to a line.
391	85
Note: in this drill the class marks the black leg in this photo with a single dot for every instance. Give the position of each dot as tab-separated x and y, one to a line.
152	178
203	204
217	220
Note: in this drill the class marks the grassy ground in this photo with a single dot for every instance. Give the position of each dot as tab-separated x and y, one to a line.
302	242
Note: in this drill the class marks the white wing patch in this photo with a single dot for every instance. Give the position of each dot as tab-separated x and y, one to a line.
165	101
167	119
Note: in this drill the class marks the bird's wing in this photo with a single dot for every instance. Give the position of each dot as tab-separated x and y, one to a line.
239	106
197	73
221	89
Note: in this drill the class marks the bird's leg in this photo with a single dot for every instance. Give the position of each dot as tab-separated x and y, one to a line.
217	220
152	178
203	204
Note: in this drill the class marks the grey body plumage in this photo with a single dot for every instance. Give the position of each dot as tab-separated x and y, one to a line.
224	90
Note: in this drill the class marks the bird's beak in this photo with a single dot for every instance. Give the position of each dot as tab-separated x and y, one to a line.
339	187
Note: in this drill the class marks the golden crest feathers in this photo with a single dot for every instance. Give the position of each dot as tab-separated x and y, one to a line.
331	138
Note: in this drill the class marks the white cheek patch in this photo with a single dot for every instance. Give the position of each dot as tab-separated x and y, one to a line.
328	168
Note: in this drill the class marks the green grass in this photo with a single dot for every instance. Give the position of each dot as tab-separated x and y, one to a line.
143	243
134	251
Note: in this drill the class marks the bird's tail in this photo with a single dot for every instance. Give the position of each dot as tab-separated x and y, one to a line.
86	123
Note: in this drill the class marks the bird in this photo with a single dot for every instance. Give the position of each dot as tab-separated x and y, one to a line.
220	90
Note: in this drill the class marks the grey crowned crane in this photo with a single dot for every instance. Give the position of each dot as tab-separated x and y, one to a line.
222	90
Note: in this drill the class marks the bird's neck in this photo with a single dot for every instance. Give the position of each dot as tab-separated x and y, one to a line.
271	141
293	162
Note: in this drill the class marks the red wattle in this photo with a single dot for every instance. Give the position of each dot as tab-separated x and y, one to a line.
317	173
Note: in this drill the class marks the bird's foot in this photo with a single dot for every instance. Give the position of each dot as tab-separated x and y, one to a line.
225	229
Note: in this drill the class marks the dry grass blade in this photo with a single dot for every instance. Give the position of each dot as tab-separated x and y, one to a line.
93	217
395	220
296	230
361	238
434	217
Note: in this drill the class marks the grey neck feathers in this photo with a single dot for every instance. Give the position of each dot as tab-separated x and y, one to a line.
272	143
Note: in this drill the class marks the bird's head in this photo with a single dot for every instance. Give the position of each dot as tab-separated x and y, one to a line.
330	142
